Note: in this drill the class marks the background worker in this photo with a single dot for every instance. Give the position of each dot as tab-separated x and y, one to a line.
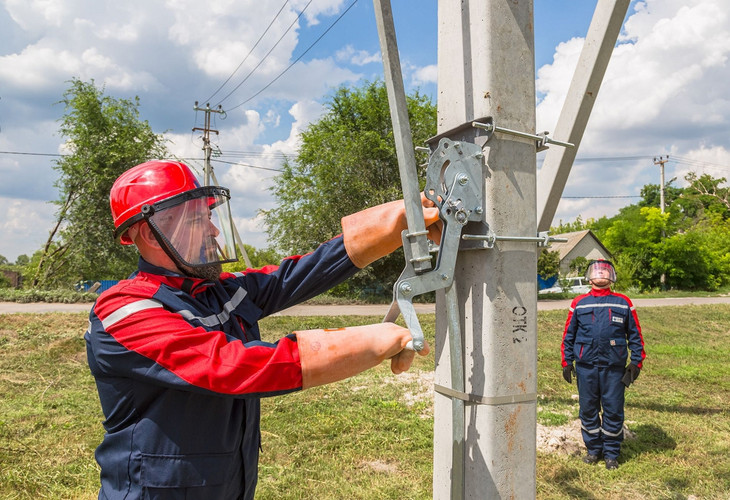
601	327
176	352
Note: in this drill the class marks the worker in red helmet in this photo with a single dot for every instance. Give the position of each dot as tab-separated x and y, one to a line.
175	349
602	327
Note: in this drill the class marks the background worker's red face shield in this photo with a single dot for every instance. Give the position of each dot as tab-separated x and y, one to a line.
195	227
601	270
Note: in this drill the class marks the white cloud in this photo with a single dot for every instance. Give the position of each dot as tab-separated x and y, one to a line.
425	75
24	227
357	57
661	93
664	90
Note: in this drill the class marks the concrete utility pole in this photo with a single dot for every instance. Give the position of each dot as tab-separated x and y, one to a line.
661	161
206	137
486	68
208	168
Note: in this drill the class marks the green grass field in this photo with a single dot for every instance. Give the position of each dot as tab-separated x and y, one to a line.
370	437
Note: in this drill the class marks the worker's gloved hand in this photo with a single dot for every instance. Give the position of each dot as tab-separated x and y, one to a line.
568	372
330	355
376	231
631	374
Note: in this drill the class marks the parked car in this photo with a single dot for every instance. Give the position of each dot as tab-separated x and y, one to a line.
576	284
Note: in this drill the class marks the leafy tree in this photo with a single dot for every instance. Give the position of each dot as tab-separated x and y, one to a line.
688	244
651	195
22	260
570	227
705	196
105	137
697	259
548	263
346	162
3	260
578	265
258	257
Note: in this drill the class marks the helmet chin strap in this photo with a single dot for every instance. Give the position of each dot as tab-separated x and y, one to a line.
181	267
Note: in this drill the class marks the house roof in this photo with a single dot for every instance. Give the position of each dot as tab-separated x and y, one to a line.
564	248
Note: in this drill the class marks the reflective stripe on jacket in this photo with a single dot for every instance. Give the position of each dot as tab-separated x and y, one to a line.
601	325
180	367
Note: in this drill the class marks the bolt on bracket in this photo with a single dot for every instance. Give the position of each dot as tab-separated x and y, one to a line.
541	140
543	239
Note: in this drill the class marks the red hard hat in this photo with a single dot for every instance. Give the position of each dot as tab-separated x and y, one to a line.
146	184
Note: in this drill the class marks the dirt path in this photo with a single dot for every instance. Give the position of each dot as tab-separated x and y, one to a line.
361	310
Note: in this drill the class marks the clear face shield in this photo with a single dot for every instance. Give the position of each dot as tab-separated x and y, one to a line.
601	270
195	228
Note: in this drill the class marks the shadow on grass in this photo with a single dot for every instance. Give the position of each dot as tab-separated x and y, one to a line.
649	438
689	410
565	478
560	400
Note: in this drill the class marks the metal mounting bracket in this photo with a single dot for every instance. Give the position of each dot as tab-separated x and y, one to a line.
453	183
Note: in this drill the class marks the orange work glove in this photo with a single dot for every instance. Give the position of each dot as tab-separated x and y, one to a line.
376	231
330	355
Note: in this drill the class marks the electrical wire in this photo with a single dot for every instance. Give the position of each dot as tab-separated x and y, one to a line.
249	52
297	59
265	56
256	154
698	164
31	154
234	163
592	197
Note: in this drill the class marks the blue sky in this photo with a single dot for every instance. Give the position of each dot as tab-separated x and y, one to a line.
664	91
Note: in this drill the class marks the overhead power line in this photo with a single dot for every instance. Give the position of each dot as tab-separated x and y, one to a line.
297	59
30	154
613	158
249	52
265	56
236	163
260	154
591	197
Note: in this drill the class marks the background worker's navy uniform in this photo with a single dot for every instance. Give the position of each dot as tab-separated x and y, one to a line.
601	327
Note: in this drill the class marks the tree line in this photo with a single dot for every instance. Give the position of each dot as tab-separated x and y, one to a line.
685	247
346	162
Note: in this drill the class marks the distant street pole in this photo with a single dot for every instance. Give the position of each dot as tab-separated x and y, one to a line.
486	68
208	167
661	161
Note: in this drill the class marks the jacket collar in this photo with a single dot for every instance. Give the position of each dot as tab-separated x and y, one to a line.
187	284
600	292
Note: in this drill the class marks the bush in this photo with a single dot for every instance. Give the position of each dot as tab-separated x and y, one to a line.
62	296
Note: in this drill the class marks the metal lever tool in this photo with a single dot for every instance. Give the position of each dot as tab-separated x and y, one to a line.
453	183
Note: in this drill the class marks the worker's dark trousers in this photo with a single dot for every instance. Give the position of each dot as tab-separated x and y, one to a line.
600	386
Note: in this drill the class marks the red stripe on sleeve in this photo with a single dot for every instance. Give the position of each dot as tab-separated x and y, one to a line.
209	359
